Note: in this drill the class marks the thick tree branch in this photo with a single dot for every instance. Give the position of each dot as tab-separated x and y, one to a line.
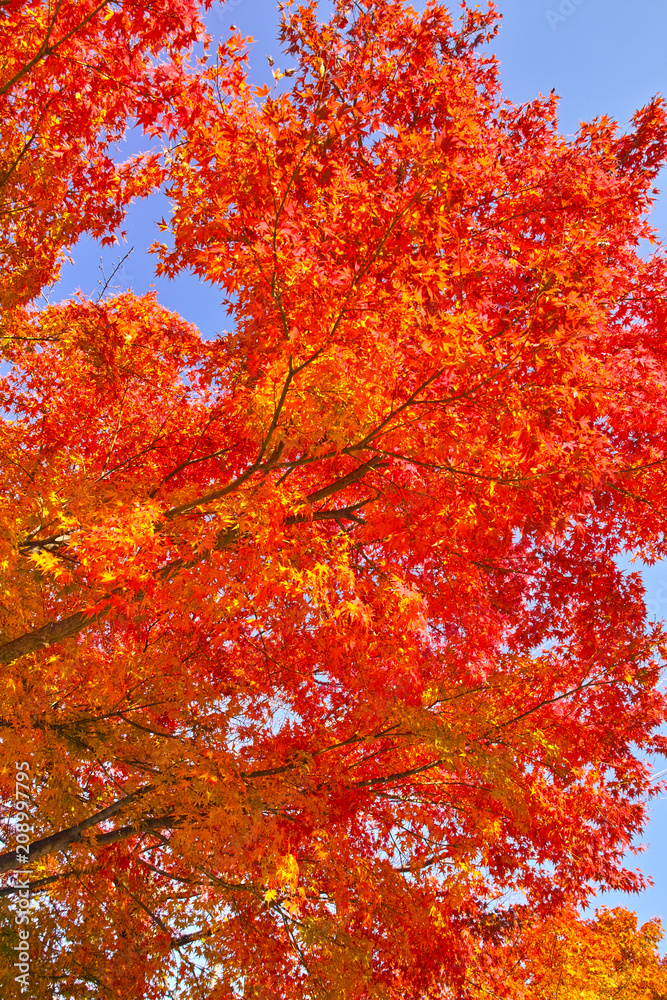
38	886
64	838
65	628
188	938
348	480
47	635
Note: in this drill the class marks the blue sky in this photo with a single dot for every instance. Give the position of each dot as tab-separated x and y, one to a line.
601	57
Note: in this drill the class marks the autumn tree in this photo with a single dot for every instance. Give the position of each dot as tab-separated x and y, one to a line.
317	651
568	958
73	73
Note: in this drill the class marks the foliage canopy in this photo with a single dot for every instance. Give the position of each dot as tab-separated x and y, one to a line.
316	644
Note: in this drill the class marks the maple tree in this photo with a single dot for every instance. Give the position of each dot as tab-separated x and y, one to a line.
574	959
72	73
317	650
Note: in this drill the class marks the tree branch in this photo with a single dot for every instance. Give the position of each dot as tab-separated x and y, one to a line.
45	636
72	835
348	480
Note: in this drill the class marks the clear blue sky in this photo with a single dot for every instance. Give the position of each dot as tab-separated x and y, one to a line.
601	57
